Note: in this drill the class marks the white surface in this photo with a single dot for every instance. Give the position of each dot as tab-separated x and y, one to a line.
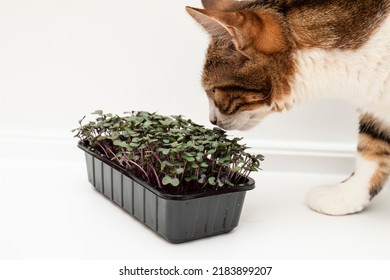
48	210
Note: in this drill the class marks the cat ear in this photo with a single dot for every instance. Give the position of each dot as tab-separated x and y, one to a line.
250	31
210	24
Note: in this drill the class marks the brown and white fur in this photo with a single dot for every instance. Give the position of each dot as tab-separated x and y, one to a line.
265	56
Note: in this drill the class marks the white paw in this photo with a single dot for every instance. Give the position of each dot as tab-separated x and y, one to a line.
338	200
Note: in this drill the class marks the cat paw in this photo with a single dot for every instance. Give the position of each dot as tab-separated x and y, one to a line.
337	200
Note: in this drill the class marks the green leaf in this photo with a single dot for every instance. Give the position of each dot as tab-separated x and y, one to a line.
174	144
98	112
166	122
180	171
143	114
189	159
147	124
166	180
188	154
199	157
202	179
229	183
224	159
175	182
211	181
80	121
162	167
120	143
163	151
236	169
200	148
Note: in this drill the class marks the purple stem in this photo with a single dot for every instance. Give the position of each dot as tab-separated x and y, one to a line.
157	178
128	161
103	149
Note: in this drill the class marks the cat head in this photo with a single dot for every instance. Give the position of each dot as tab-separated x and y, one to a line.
248	63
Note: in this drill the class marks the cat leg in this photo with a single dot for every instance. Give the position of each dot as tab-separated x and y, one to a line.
371	173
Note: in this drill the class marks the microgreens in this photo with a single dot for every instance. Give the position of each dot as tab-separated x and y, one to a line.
169	152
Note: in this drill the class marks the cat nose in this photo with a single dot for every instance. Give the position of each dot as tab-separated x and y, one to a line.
213	121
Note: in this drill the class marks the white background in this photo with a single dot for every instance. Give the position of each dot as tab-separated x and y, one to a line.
60	60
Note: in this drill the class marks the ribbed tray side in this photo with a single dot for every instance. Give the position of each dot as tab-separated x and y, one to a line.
175	220
117	187
90	168
125	192
200	217
107	180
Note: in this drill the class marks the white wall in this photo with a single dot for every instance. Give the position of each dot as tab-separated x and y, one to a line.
61	59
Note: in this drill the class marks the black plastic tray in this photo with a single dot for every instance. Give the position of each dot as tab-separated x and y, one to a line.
177	218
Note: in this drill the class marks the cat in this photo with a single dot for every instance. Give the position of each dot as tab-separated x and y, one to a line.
265	56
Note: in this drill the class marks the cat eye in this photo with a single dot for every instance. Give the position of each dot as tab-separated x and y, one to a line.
212	91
